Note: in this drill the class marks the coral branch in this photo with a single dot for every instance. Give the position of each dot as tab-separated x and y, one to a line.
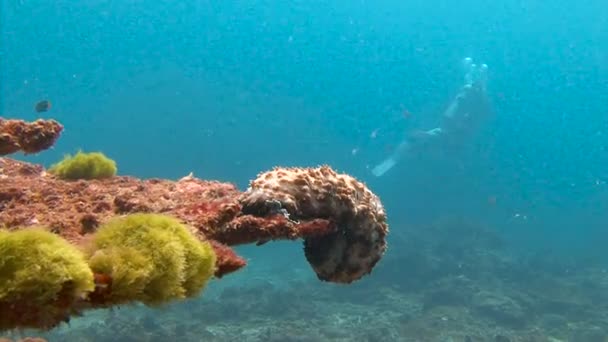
252	229
227	260
342	222
28	137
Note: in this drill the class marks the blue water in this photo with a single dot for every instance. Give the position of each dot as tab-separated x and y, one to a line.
229	89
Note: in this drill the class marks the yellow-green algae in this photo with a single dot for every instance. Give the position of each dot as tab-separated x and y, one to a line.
93	165
40	273
151	258
36	264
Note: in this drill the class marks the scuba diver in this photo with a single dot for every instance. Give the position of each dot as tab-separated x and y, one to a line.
459	122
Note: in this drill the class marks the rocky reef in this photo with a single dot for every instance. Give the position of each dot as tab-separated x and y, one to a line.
342	223
452	281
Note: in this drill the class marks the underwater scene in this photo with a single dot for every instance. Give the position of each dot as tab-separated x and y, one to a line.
303	171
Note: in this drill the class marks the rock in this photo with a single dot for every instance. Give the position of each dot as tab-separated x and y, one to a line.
500	308
451	291
553	321
589	334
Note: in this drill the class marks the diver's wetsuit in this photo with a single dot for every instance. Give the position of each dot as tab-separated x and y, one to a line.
460	121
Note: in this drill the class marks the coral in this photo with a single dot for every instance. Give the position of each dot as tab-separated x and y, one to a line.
226	259
305	194
94	165
150	258
28	137
41	275
157	240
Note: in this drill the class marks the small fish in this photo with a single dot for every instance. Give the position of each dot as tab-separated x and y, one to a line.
406	114
43	106
374	133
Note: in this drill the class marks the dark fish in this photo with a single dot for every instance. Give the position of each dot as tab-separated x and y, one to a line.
262	242
43	106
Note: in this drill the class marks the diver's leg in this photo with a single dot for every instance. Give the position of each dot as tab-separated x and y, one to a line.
416	140
392	160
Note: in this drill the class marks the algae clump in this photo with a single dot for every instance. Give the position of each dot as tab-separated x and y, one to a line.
93	165
40	270
151	258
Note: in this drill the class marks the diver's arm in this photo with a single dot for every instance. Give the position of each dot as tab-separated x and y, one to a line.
475	76
454	105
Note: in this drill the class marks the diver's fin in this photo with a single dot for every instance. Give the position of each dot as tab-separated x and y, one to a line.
383	167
